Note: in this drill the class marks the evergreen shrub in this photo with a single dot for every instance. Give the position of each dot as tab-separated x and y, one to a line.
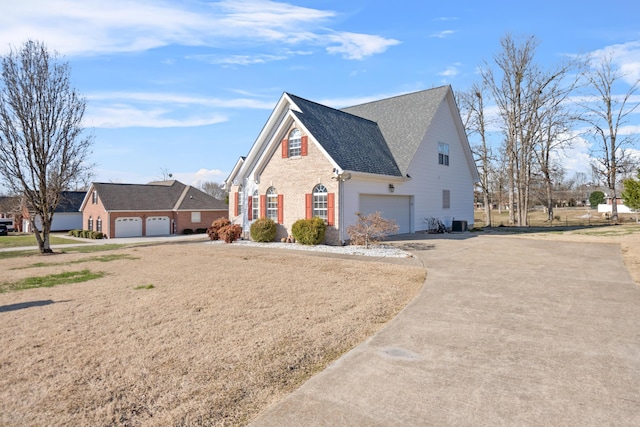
309	231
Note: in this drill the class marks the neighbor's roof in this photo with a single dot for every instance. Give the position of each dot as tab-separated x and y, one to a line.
354	143
70	201
403	120
155	196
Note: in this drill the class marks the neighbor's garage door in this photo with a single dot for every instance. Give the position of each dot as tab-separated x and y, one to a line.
157	226
129	227
397	208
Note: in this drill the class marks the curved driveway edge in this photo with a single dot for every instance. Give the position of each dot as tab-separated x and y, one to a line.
506	331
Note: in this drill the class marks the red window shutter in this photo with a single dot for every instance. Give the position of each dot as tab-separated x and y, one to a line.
250	208
235	204
280	208
308	205
304	145
331	208
263	205
285	148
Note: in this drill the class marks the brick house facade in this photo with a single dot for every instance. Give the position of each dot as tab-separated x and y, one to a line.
131	210
406	157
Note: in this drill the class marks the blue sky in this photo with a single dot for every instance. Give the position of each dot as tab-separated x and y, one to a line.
186	86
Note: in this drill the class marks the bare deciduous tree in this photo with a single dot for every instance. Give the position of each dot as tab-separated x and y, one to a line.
44	147
214	189
475	122
530	108
606	116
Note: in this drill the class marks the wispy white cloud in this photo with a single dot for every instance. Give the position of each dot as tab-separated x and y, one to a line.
451	71
127	116
443	34
626	56
238	59
178	99
359	46
160	110
201	176
93	27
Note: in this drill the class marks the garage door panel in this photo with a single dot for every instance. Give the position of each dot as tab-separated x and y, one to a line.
397	208
128	227
157	226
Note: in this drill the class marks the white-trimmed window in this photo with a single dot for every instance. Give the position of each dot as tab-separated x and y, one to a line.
446	199
99	224
295	143
240	199
443	154
255	205
320	202
272	204
94	197
195	217
90	224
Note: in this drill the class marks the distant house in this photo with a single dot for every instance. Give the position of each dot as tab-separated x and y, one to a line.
11	212
407	157
66	216
154	209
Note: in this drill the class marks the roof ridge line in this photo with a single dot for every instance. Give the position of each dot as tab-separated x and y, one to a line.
181	198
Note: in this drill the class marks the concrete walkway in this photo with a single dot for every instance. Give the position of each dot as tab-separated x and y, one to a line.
506	331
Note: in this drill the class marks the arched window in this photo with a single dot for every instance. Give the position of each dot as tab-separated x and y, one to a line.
255	205
272	204
99	224
320	201
240	199
90	224
295	143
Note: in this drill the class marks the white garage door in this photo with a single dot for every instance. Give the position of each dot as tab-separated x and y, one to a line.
129	227
157	226
397	208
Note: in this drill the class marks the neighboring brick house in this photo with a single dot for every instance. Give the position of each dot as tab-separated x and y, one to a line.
407	157
154	209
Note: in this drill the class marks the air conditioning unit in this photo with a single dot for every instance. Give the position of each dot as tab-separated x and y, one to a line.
457	225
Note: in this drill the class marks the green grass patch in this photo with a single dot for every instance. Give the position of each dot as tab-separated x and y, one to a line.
50	280
23	240
94	248
99	258
144	287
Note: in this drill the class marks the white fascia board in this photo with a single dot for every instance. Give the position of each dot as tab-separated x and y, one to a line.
266	135
462	134
86	197
234	172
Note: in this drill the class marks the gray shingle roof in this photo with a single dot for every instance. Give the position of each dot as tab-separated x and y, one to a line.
356	144
379	137
70	201
156	196
403	120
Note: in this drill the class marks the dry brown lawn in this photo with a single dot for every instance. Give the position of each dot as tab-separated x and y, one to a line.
224	332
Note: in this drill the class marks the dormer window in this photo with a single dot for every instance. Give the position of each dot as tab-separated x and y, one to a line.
295	143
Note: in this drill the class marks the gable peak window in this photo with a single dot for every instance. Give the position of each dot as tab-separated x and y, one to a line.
443	154
94	197
295	143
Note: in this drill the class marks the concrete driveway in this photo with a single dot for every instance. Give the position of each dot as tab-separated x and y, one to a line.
506	331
